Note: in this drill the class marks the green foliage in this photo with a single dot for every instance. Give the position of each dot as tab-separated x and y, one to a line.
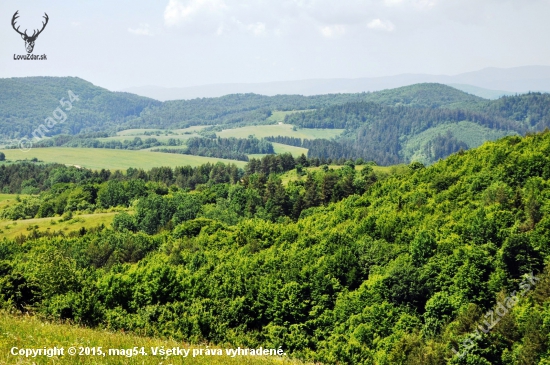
124	222
24	101
342	266
229	148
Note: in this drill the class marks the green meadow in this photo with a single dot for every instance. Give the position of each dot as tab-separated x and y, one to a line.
13	229
100	158
285	130
380	171
472	134
29	332
162	135
284	148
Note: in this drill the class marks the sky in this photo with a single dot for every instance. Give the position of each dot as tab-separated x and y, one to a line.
180	43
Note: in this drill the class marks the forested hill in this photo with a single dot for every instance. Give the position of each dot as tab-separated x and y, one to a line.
428	95
440	265
423	122
250	108
393	134
26	102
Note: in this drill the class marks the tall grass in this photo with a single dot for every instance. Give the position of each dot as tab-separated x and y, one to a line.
27	332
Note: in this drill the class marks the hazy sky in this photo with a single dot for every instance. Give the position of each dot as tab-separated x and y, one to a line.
176	43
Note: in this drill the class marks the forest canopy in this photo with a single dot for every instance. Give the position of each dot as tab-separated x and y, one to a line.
342	266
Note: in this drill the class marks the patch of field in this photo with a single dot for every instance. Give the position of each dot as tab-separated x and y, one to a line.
380	171
283	148
162	135
9	199
12	229
285	130
101	158
29	332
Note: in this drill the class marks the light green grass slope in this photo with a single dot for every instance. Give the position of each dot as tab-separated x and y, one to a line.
29	332
470	133
99	158
285	130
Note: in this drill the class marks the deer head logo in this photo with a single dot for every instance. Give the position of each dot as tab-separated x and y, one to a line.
29	40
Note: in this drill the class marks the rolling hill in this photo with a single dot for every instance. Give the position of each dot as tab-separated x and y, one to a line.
446	264
26	103
395	134
423	122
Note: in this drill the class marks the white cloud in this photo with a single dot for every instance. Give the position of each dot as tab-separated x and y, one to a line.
289	18
422	4
333	31
257	29
383	25
426	3
143	29
394	2
178	11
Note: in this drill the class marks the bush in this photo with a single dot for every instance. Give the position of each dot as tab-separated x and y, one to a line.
124	222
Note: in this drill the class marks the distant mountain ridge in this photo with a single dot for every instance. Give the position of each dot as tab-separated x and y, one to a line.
488	83
421	122
26	102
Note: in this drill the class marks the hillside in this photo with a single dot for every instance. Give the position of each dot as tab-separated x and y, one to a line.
29	332
427	95
422	122
390	135
342	266
26	102
253	108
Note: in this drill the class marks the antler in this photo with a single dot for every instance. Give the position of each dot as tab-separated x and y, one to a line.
43	25
15	16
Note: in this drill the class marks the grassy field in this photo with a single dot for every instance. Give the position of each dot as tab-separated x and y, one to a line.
27	332
160	134
283	148
380	171
99	158
12	229
470	133
261	131
8	199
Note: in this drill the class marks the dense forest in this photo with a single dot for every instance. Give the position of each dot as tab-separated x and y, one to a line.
433	265
26	103
378	132
242	109
228	148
